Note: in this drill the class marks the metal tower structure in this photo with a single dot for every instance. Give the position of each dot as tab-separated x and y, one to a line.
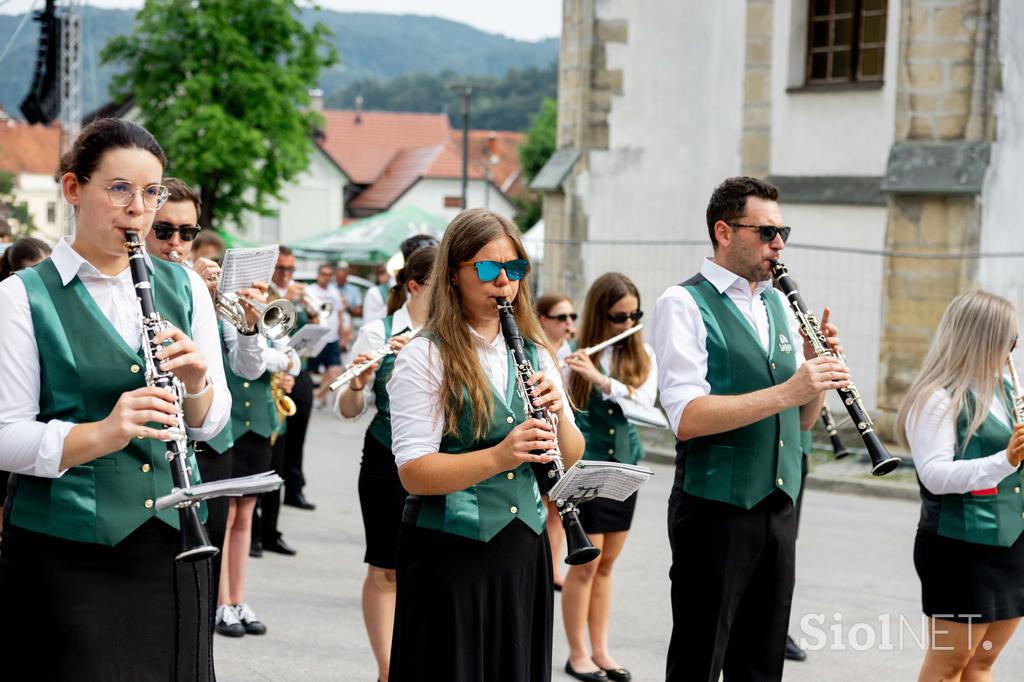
70	84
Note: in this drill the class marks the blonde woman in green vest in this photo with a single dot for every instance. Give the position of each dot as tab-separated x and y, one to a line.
91	588
381	495
957	420
474	567
625	371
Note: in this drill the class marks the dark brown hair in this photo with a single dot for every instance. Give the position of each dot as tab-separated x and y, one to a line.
21	254
630	363
208	238
729	200
101	136
416	269
178	190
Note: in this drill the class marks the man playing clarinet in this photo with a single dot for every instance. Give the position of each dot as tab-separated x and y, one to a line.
737	392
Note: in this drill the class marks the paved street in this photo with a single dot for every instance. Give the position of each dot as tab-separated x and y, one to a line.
854	564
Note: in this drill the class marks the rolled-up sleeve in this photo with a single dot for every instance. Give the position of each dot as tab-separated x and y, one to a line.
679	339
417	421
206	334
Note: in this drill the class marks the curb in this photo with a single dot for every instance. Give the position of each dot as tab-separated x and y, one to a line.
815	481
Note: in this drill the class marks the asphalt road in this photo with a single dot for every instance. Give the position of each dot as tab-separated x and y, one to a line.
857	594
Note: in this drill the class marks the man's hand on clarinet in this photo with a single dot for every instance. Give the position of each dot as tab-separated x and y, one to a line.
831	334
816	376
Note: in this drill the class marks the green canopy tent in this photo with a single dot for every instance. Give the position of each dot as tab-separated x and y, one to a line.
373	239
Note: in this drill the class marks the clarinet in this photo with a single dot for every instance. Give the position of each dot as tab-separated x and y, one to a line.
881	461
579	549
838	449
195	544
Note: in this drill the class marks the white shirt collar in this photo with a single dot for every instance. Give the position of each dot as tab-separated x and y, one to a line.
401	320
497	344
69	263
724	279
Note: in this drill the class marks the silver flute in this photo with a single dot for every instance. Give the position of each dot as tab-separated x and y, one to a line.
358	368
598	347
1018	396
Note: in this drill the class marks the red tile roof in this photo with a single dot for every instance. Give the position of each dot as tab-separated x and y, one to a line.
29	148
506	172
407	167
364	149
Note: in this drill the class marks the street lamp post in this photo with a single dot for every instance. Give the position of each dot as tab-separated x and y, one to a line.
466	91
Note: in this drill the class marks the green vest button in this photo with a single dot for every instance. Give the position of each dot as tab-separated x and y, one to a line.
1017	490
781	444
510	475
509	419
248	404
135	369
611	451
773	365
145	468
245	384
248	423
611	411
611	432
781	482
149	504
514	509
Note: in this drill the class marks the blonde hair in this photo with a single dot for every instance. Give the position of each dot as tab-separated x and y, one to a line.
630	363
469	232
973	341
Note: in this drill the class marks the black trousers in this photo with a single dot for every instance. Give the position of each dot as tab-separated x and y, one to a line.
302	394
732	586
214	466
268	505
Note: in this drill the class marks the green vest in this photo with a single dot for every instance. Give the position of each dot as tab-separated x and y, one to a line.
806	442
252	405
380	426
986	517
85	366
607	432
482	510
744	466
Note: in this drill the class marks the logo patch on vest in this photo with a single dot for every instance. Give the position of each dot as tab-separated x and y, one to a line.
784	345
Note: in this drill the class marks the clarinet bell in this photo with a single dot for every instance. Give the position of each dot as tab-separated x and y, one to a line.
882	462
579	549
195	543
838	448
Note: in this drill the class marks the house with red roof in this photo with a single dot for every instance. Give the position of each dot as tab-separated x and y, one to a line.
32	154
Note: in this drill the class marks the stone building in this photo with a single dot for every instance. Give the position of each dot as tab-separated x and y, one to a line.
894	128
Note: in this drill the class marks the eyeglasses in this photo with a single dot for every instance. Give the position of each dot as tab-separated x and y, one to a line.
163	231
620	318
768	232
285	268
122	194
488	270
564	317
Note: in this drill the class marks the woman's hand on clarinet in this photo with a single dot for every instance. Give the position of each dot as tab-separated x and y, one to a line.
545	393
359	381
182	358
581	363
133	411
1015	450
518	446
816	376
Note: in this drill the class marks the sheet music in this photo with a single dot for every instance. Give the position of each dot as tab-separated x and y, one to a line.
587	480
228	487
309	340
242	267
643	416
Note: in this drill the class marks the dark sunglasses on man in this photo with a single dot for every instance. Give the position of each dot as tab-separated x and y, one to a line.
767	232
187	233
564	317
620	318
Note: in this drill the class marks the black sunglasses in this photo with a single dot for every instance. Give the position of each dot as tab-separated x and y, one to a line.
163	231
620	318
768	232
564	317
285	268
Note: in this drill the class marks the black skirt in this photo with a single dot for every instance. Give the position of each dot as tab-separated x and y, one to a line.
82	611
382	499
251	454
471	611
968	582
602	515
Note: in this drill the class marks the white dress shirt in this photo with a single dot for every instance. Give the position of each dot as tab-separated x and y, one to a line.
250	357
931	433
32	447
374	306
329	295
417	417
679	337
644	395
371	337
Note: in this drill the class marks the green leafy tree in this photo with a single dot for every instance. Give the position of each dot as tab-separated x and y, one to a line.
14	213
541	140
224	86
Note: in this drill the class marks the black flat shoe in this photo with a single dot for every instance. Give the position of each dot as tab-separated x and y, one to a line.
256	550
299	501
279	546
794	652
596	676
616	674
557	587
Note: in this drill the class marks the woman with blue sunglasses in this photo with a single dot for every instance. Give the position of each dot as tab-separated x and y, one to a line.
625	371
474	565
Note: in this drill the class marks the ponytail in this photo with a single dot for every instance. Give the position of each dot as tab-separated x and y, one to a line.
416	269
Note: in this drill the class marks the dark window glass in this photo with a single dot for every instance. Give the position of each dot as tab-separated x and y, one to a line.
846	41
844	33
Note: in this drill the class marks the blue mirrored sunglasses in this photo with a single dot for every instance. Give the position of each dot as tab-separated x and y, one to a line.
488	270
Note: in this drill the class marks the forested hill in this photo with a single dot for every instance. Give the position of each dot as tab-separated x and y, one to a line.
374	49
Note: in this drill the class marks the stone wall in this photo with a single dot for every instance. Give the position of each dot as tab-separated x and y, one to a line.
755	142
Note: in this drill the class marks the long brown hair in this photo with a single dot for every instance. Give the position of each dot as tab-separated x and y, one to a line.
469	232
630	363
416	269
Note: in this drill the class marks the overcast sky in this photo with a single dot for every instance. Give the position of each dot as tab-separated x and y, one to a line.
523	19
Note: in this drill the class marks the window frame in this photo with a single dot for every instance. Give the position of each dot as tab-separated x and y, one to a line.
854	76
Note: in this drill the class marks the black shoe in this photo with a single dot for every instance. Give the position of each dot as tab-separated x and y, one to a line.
299	501
616	674
279	546
793	652
250	622
596	676
227	622
256	550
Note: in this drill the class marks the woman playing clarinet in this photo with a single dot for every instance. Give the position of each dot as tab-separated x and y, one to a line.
474	567
623	371
959	421
91	588
381	495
